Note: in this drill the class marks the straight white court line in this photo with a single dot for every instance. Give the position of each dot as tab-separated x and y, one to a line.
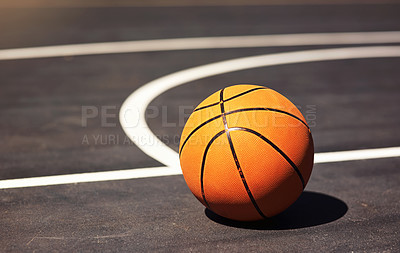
340	156
89	177
167	171
202	43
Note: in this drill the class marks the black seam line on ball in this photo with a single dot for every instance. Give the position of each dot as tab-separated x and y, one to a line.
289	114
275	147
221	104
206	106
246	186
203	166
236	111
197	128
237	95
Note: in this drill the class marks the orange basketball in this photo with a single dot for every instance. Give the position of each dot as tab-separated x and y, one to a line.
246	152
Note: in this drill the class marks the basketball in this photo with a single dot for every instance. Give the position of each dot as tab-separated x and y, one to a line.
246	152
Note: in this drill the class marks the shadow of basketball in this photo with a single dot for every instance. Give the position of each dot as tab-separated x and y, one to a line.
311	209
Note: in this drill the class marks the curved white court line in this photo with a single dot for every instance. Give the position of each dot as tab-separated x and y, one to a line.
137	114
202	43
132	113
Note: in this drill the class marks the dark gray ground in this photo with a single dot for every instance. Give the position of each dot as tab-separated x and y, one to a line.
347	206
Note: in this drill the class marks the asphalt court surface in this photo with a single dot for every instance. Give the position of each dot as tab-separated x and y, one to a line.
347	206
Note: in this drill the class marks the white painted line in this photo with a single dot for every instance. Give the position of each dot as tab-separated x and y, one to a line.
89	177
132	113
202	43
329	157
340	156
